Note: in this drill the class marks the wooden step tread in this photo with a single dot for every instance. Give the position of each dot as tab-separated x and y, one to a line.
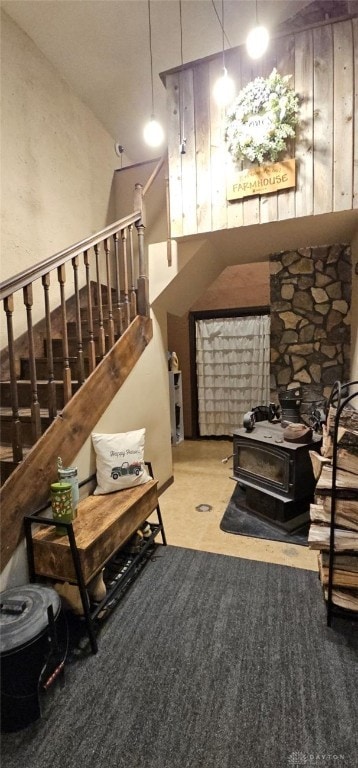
71	358
40	382
24	413
6	453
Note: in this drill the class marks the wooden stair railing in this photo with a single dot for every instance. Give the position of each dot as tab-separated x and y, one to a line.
108	290
28	486
90	292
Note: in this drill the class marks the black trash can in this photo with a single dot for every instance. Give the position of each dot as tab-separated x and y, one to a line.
33	644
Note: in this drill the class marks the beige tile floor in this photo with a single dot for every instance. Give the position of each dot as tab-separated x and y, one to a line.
200	477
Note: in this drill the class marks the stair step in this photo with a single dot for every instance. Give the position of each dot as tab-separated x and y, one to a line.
105	312
42	367
24	392
6	419
7	464
57	345
72	330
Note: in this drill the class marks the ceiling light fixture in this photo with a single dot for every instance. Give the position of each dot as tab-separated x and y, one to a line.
224	88
258	39
153	132
119	149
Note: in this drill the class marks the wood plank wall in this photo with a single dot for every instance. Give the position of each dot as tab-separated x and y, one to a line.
324	69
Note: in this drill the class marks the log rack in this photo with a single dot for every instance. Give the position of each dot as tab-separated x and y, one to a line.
340	396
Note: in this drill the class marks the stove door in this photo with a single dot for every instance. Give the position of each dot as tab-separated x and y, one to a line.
261	466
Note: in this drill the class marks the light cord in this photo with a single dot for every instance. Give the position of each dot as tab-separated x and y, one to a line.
181	33
221	24
181	105
151	57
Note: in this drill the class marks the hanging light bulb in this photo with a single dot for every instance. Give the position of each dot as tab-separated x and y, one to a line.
257	40
153	132
224	88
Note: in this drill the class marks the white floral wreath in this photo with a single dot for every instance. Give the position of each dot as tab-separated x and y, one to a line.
261	119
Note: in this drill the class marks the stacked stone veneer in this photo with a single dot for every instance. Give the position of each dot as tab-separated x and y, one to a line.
310	293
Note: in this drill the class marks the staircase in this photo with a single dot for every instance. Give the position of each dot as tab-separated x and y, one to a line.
61	373
52	398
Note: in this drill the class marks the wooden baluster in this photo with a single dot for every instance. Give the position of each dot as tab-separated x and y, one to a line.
80	359
133	295
143	297
138	202
118	284
101	334
35	405
142	282
52	400
16	438
91	344
67	386
127	317
109	292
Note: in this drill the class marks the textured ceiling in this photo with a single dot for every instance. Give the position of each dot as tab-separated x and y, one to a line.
101	48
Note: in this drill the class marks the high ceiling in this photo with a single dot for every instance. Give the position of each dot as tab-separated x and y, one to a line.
101	48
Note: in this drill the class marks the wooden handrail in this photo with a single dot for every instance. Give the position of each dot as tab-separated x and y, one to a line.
29	275
153	176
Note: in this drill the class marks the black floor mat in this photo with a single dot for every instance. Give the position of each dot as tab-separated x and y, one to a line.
238	520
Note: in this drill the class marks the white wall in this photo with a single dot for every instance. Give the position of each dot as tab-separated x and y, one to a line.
57	160
142	401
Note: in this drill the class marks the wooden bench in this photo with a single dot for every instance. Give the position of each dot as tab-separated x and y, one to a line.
102	527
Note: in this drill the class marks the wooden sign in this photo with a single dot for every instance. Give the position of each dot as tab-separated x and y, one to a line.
261	180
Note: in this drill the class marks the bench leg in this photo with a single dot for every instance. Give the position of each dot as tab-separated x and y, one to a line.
88	619
83	591
160	520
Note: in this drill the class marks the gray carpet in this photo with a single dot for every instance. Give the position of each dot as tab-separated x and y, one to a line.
208	662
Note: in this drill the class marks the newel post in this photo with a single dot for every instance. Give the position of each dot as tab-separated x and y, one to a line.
142	282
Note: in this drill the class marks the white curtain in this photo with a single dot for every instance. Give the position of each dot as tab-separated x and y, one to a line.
233	370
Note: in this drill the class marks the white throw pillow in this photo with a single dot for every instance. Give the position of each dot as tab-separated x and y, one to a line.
119	460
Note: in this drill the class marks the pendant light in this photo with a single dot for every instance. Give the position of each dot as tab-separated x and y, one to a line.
153	132
182	141
224	88
258	39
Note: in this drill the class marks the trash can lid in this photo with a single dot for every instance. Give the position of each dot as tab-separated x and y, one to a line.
23	614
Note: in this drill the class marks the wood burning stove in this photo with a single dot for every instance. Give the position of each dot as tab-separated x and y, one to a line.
276	474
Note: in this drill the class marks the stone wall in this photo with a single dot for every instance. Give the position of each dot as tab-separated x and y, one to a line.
310	292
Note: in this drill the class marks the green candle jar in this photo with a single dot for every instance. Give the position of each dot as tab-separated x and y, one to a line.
61	504
69	475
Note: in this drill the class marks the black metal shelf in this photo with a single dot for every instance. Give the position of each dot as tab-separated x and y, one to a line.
341	395
117	586
120	581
